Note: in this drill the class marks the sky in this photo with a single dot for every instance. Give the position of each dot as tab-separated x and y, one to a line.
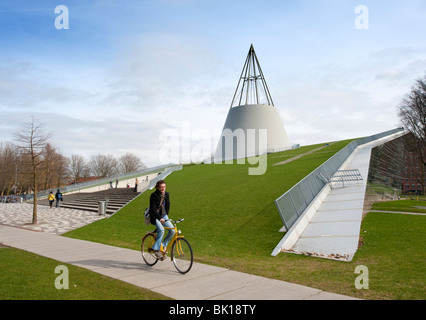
156	77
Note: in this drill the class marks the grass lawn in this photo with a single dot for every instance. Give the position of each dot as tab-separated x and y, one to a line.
32	277
401	206
394	250
222	205
231	221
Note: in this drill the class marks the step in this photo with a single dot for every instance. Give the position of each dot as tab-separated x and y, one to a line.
117	198
108	211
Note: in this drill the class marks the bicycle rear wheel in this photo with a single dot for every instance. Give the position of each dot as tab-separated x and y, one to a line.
182	255
147	254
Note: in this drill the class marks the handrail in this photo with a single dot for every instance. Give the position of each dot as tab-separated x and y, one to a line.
101	181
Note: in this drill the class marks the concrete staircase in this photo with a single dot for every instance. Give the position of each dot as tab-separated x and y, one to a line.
117	198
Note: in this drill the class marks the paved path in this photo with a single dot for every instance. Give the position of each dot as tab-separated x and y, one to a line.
399	212
55	220
301	155
203	282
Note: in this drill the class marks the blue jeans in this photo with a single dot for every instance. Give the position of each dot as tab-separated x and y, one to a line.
160	233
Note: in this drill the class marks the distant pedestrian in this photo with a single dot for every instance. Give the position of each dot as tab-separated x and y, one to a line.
110	183
58	197
51	198
116	183
136	185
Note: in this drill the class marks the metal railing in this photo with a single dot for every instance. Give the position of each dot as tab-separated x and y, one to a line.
342	176
106	180
153	181
292	203
163	175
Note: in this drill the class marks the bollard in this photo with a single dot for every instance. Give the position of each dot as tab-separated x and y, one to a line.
101	208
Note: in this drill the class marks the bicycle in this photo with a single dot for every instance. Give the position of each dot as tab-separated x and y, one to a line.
181	251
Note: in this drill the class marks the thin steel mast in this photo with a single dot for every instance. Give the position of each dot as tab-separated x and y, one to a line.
247	91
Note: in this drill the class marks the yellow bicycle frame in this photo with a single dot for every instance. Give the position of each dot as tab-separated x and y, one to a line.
176	236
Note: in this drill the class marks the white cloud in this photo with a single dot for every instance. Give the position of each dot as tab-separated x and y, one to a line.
349	98
157	72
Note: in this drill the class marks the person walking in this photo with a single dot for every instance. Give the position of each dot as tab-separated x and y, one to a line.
136	185
159	204
51	198
58	197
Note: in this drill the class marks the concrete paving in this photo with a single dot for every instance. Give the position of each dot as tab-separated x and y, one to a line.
54	220
203	282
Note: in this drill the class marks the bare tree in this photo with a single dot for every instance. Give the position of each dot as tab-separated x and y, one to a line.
77	167
53	169
130	162
103	165
412	113
32	140
24	172
7	168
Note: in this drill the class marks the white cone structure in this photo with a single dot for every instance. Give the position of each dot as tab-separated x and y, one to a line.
253	125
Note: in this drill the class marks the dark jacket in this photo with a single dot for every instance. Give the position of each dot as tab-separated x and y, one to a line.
154	205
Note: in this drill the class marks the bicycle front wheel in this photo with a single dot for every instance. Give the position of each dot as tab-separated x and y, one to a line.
182	255
146	249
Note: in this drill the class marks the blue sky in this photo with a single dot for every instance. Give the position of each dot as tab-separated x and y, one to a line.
128	73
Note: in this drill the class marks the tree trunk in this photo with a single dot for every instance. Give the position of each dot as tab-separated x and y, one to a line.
35	192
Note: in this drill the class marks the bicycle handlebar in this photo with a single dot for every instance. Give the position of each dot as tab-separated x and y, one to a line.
173	221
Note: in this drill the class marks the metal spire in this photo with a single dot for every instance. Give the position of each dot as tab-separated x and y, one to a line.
252	88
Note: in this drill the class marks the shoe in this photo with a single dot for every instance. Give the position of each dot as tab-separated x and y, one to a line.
159	255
